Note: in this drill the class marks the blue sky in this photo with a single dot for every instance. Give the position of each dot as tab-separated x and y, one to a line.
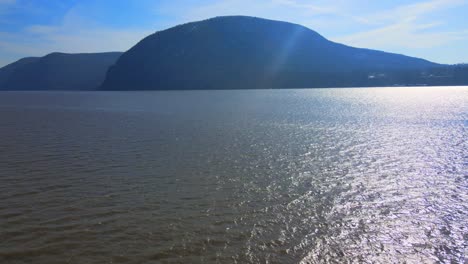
432	29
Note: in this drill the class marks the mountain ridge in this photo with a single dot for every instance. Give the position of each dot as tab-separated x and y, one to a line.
240	52
58	71
228	52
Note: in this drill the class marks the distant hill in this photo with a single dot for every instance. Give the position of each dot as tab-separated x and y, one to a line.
239	52
58	71
8	70
233	52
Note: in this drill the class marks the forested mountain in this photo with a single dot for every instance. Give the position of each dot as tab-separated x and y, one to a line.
238	52
58	71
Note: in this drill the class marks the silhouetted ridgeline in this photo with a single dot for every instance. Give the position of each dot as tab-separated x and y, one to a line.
245	52
58	71
9	69
234	52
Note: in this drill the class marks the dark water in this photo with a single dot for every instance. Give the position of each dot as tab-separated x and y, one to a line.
290	176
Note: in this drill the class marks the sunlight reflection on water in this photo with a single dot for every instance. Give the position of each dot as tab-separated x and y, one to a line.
282	176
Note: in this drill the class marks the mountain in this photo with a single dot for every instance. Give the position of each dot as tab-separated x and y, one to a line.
58	71
238	52
8	70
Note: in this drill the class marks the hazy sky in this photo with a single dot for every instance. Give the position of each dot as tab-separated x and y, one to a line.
432	29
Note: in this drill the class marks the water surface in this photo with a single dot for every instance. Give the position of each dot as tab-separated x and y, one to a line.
259	176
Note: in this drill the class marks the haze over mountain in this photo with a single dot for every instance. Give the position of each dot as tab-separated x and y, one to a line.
58	71
233	52
238	52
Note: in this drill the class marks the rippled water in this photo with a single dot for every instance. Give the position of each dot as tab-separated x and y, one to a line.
268	176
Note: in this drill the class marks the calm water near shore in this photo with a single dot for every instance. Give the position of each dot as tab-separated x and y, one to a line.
260	176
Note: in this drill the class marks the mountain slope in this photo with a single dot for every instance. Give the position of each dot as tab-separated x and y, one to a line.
244	52
58	71
7	71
